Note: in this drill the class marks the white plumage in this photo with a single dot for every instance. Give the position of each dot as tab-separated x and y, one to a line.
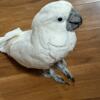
49	40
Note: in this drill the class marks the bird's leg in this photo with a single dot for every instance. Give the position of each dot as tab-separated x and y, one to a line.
62	66
51	73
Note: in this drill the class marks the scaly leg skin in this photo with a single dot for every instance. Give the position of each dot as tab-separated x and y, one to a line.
62	66
51	74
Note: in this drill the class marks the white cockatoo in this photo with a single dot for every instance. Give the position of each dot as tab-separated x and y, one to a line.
51	39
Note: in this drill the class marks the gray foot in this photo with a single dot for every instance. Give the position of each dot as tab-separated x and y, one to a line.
62	66
51	73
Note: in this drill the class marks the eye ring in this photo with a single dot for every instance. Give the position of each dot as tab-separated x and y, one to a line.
60	19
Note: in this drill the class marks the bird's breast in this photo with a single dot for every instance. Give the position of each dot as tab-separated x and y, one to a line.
61	47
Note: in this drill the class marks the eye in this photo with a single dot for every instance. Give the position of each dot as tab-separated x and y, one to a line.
60	19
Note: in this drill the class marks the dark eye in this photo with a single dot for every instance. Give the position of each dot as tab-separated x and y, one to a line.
60	19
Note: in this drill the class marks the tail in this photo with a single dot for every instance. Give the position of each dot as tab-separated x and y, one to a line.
8	36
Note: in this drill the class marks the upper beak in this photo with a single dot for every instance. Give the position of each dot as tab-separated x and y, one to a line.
74	20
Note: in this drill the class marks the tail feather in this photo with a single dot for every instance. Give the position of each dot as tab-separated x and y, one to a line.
2	43
8	36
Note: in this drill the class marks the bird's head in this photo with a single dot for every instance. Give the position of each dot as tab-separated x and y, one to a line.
58	16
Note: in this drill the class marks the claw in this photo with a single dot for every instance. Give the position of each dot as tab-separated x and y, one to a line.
73	80
70	78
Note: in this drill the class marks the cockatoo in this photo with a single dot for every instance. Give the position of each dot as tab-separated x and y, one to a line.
51	38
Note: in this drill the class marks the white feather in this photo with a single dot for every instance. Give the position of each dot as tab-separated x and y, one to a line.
46	43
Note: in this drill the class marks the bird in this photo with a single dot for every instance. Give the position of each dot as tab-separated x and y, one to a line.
51	38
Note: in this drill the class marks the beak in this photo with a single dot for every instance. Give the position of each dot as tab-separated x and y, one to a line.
74	20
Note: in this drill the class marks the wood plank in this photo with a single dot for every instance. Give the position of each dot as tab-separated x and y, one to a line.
27	84
19	83
91	16
87	49
81	2
19	15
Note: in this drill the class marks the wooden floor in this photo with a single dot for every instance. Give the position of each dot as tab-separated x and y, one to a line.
18	83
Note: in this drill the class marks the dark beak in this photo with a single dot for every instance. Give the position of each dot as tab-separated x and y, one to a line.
74	20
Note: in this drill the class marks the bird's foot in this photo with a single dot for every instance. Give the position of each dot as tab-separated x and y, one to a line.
51	74
62	66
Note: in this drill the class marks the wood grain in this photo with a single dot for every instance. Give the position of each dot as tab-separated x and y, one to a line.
81	2
18	83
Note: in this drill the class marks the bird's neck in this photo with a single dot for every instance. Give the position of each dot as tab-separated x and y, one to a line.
45	36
